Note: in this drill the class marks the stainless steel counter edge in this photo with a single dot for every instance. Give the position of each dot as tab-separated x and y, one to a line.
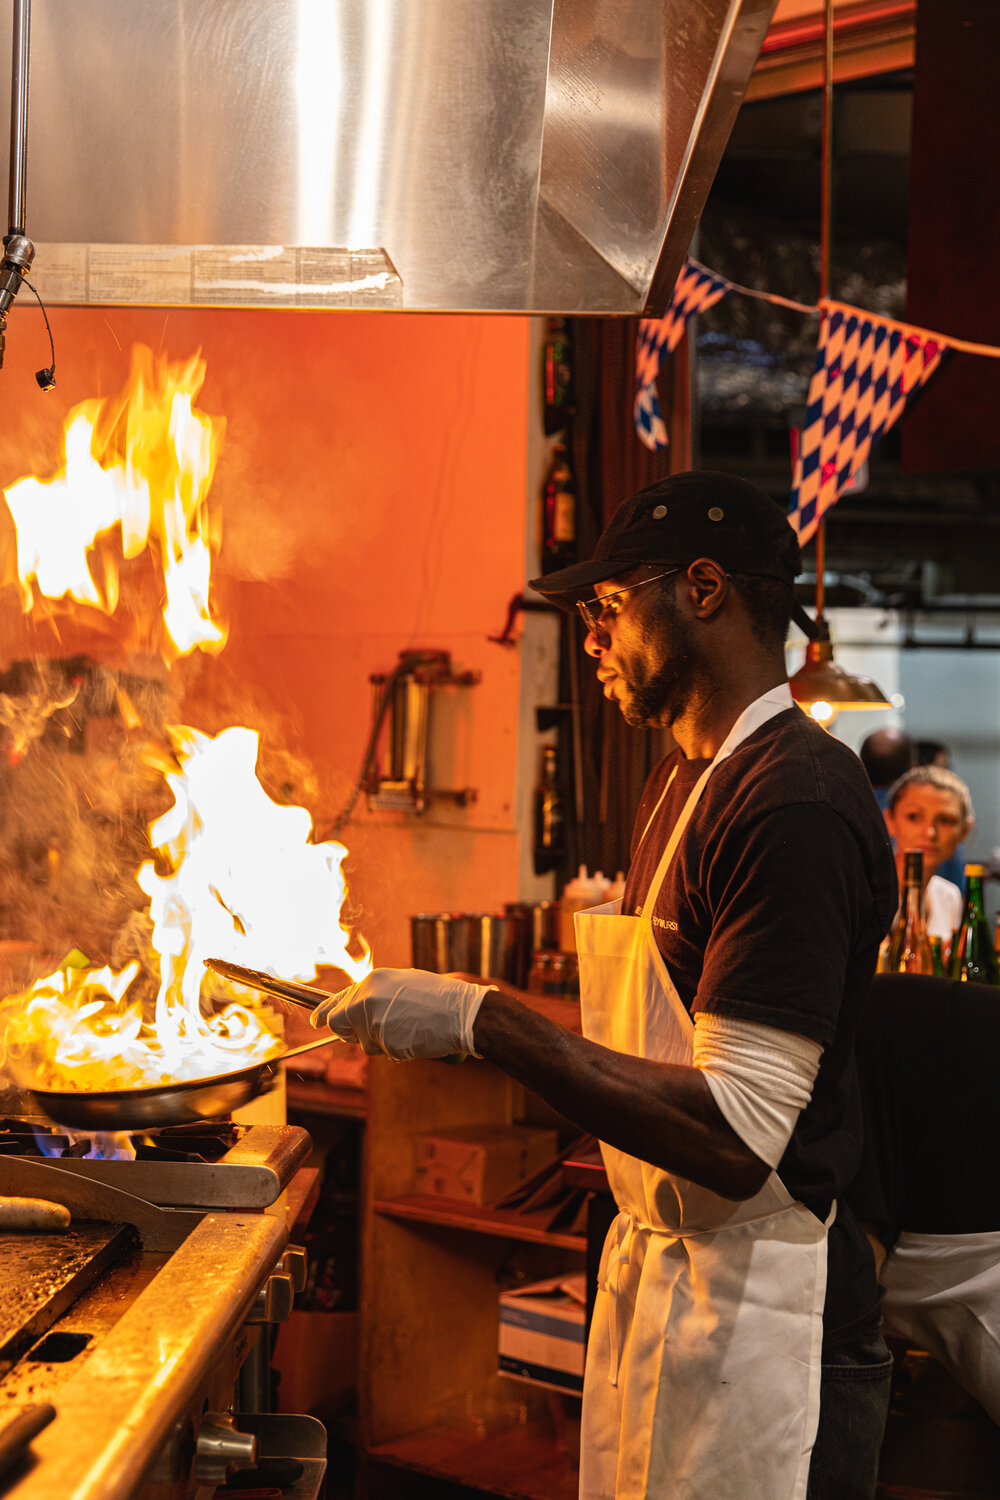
115	1415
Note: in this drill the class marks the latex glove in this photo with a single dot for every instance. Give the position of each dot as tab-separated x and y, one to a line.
405	1013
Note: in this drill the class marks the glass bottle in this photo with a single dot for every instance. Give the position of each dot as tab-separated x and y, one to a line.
550	823
972	954
558	513
909	946
540	977
882	966
557	376
937	953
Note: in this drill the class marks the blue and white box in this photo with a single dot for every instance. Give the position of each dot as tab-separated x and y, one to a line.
543	1332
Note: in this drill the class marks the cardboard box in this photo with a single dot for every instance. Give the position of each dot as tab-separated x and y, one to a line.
542	1333
481	1163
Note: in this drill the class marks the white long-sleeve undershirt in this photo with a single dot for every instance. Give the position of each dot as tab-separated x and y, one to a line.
761	1078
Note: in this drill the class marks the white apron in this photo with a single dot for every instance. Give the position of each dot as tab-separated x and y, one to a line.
942	1292
703	1366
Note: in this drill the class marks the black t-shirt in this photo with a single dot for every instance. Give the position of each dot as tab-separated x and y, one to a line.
772	910
927	1052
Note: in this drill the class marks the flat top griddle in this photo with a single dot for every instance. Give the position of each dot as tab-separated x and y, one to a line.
41	1275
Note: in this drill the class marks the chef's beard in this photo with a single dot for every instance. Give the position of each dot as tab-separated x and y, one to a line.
659	696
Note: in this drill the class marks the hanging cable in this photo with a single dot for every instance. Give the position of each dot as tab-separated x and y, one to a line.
46	377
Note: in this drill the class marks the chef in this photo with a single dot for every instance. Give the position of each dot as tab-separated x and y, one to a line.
737	1314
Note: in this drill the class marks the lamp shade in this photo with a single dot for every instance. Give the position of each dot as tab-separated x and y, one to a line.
820	680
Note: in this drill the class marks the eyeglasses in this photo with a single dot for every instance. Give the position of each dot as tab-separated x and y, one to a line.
592	611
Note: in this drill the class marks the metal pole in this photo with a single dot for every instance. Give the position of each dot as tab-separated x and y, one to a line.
19	117
820	569
825	229
826	189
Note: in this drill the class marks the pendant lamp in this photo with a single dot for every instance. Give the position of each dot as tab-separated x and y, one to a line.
820	687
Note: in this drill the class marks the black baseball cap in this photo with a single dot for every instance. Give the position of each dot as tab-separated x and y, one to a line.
697	514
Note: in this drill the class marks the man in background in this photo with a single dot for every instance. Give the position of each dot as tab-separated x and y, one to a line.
886	755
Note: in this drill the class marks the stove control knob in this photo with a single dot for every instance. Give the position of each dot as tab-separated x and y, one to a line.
221	1447
274	1300
296	1262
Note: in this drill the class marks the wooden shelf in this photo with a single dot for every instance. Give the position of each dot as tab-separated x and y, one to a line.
523	1463
505	1223
429	1314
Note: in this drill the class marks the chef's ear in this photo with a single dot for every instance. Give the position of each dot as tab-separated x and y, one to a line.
709	584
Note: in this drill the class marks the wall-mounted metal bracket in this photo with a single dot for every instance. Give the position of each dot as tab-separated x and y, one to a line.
522	604
404	696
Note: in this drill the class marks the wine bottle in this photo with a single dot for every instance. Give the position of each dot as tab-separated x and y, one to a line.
882	966
937	953
557	376
909	946
558	514
972	954
550	823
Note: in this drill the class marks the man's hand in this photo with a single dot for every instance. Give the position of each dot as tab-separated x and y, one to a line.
405	1013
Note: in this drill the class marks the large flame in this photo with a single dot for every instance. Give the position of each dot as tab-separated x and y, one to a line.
235	875
243	882
136	474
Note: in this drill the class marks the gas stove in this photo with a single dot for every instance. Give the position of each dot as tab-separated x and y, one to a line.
215	1164
143	1332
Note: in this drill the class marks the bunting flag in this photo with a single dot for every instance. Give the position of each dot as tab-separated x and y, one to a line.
867	368
697	289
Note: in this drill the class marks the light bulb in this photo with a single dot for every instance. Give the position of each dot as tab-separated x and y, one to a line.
821	711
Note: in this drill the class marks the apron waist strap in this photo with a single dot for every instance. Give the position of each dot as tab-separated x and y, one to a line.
617	1258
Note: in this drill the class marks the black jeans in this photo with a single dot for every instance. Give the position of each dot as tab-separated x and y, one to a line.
854	1404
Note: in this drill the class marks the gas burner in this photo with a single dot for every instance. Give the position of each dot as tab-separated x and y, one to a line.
204	1142
215	1164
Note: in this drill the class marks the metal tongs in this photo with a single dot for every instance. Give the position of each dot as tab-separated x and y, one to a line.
305	995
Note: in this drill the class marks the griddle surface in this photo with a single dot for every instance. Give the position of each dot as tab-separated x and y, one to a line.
41	1275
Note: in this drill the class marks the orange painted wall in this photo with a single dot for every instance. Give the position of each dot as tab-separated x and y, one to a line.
372	488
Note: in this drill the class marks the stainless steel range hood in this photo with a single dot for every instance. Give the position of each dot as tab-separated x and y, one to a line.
493	155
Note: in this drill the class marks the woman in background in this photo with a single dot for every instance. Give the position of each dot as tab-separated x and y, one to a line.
930	809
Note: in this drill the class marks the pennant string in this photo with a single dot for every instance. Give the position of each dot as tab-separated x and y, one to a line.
868	368
749	291
992	351
926	335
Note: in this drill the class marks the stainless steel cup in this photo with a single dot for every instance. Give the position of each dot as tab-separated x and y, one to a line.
490	944
431	941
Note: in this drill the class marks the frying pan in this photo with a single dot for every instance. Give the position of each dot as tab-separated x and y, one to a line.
188	1100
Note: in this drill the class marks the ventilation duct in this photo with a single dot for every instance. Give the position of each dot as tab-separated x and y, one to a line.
489	155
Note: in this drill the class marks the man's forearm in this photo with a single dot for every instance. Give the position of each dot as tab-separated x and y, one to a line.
662	1113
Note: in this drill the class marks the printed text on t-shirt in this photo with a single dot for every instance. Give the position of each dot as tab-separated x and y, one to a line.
659	921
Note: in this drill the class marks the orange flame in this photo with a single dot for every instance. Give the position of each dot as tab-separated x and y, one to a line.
244	883
235	874
139	465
